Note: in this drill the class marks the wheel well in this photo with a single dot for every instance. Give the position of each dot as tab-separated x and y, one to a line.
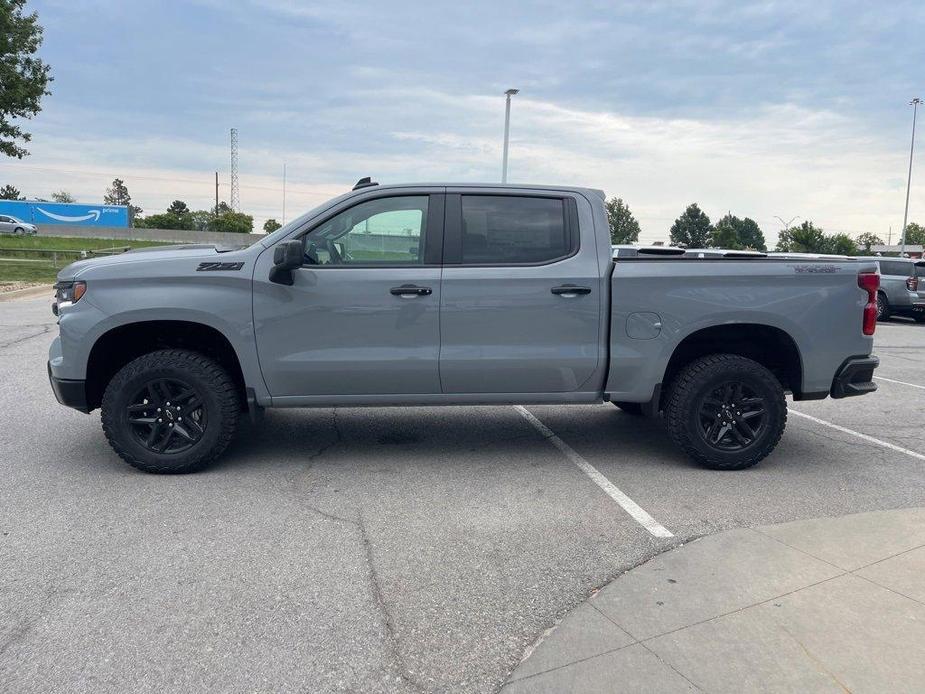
771	347
119	346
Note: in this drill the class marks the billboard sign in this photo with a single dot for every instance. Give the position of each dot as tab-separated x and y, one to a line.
74	214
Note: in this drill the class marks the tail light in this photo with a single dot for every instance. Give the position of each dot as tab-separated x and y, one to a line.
912	284
869	282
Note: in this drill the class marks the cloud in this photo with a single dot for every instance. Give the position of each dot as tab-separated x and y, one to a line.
763	107
782	160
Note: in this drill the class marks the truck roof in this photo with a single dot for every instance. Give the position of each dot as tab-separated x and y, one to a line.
500	186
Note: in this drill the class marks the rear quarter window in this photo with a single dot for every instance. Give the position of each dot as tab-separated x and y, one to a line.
896	268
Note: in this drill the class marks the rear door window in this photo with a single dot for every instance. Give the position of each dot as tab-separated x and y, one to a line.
514	230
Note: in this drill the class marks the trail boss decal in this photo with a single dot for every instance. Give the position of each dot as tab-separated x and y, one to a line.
219	267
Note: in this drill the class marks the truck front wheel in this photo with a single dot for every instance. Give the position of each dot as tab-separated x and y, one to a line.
726	411
170	411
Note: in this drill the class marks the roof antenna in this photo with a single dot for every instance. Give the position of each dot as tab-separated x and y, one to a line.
365	183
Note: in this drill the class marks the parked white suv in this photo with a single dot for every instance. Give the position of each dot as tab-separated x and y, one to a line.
12	225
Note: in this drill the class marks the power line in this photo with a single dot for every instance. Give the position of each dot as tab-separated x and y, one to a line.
151	178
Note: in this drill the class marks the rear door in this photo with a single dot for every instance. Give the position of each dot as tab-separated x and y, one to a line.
520	311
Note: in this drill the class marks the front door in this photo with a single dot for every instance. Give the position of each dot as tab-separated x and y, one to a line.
362	314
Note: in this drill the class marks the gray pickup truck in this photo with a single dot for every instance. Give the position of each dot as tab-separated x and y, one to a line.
456	295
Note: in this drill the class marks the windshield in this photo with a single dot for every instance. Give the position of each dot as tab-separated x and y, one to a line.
289	227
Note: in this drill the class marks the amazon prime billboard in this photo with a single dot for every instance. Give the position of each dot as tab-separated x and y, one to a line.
75	214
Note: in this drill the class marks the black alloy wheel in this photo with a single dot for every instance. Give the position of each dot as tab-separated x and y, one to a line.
732	416
167	415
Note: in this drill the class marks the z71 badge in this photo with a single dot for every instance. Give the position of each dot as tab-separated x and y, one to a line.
219	267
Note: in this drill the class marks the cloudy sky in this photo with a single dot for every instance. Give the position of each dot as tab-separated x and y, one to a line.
771	108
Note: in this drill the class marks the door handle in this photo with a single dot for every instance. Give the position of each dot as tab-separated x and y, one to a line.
568	290
410	290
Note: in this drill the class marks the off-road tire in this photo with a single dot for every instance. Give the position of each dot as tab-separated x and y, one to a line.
633	408
695	383
218	393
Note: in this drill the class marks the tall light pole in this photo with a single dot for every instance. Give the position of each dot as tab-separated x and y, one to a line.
915	105
507	131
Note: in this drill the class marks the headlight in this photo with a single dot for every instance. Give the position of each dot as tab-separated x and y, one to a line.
67	293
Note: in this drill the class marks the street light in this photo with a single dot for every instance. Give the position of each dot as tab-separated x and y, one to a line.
507	131
915	105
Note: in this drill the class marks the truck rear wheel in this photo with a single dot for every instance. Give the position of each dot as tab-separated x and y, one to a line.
170	411
726	411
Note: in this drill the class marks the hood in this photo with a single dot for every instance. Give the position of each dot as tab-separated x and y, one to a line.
147	255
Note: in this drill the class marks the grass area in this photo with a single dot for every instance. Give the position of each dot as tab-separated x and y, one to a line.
13	247
40	273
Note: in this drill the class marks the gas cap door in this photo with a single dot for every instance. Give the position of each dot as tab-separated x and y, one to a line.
643	325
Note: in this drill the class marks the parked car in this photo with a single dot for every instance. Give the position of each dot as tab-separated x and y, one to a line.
12	225
899	288
456	295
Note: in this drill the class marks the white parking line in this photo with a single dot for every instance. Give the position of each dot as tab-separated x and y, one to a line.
609	488
852	432
890	380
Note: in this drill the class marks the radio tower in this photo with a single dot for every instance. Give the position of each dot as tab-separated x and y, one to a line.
235	194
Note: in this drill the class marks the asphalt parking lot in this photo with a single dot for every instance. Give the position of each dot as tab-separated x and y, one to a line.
415	549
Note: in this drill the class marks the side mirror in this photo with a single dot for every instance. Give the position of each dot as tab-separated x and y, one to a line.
287	256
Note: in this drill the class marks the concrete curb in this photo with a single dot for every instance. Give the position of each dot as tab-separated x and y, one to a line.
815	605
27	293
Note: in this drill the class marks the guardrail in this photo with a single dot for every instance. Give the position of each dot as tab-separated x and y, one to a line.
54	255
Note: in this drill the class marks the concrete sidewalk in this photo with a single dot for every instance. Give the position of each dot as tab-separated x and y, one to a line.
834	604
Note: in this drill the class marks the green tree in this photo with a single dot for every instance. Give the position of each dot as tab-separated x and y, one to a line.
840	244
735	233
9	192
271	225
692	229
806	238
233	222
24	78
867	239
63	196
164	220
751	236
915	234
201	219
623	225
725	233
178	207
117	194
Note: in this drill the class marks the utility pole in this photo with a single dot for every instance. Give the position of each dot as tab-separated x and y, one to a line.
284	192
915	105
507	131
216	193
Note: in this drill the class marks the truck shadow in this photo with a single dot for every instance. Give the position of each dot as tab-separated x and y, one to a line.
443	435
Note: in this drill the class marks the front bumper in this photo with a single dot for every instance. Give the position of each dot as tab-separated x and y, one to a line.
68	392
855	377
